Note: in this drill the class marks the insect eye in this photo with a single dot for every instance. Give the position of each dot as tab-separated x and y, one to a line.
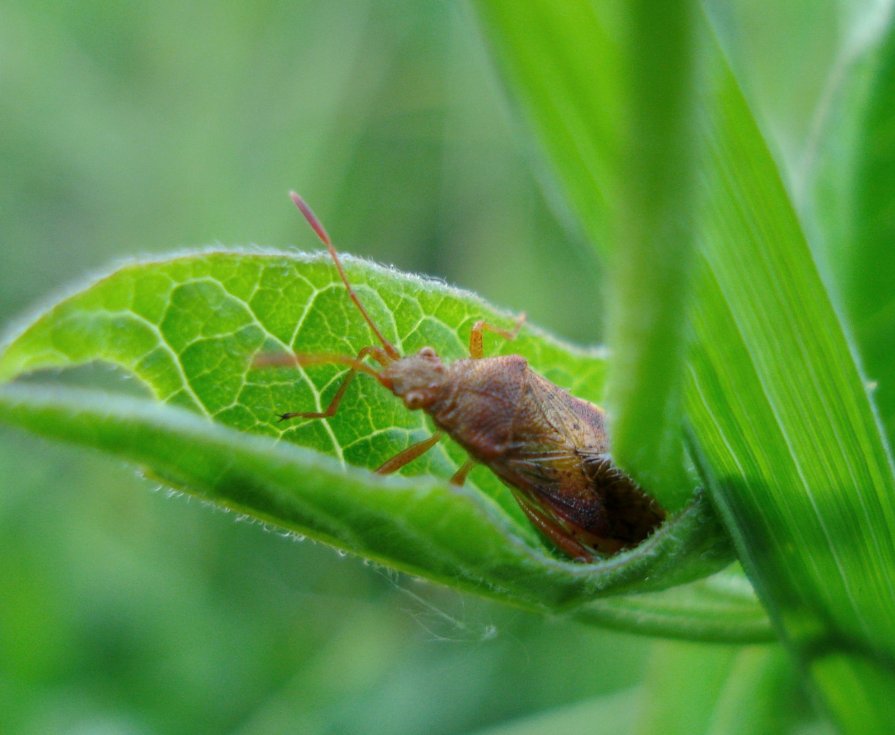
414	399
428	353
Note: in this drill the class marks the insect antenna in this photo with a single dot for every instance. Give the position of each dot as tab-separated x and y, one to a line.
318	228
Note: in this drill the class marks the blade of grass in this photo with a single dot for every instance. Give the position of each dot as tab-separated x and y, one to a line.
794	455
652	253
867	259
547	52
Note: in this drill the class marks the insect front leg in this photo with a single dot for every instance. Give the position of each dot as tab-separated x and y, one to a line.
333	406
476	347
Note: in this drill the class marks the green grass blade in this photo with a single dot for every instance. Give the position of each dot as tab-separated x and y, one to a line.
868	258
791	446
653	250
546	52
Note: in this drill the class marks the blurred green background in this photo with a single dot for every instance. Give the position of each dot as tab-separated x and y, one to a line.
140	128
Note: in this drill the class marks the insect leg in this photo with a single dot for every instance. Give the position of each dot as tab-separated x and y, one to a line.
476	348
337	398
460	475
406	456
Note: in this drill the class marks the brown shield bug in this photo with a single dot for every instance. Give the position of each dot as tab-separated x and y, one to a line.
550	448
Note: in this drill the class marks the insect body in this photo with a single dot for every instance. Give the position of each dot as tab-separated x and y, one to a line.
550	448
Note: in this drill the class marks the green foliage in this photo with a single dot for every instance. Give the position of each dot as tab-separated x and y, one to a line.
863	240
738	192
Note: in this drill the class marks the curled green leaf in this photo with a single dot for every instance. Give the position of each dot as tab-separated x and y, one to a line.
191	327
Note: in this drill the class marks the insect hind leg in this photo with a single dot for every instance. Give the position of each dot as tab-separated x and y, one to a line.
476	345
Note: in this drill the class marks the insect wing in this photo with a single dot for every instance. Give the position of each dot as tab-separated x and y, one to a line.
559	467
